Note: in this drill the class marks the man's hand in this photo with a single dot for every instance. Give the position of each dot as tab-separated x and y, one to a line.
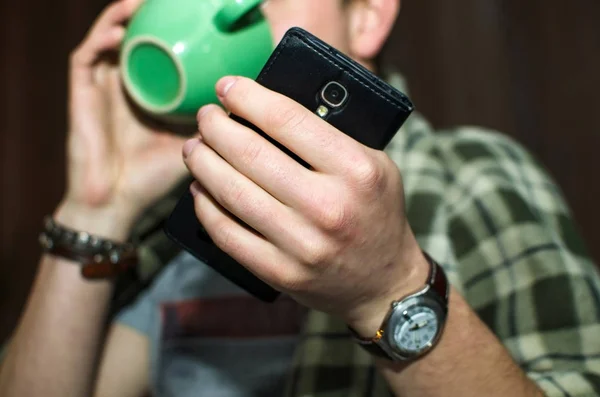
334	236
118	163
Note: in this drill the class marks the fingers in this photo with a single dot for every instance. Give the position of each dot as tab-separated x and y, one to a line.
253	251
240	196
315	141
85	56
114	14
106	34
254	156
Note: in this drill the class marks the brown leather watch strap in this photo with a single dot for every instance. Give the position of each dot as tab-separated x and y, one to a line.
370	345
437	279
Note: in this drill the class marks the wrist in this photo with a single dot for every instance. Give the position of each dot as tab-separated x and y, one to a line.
108	222
410	275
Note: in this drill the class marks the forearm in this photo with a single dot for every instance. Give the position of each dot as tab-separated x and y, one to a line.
468	361
55	349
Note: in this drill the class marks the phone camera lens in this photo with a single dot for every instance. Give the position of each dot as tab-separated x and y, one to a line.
334	94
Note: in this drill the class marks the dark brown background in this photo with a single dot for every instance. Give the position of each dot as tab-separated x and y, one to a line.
527	68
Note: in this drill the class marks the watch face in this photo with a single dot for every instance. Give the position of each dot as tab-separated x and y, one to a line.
416	329
414	326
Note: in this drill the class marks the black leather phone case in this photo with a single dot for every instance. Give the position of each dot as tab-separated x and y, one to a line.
299	68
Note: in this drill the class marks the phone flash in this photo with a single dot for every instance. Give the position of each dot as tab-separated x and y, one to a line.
322	111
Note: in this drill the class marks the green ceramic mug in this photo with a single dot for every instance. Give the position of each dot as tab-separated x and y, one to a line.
174	52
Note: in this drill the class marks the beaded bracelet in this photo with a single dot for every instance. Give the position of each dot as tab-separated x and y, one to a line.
99	258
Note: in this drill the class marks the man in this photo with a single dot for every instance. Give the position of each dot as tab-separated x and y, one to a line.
523	310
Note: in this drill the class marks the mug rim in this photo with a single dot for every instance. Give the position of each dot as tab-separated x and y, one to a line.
157	109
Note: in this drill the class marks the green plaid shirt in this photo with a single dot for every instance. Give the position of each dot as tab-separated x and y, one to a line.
493	218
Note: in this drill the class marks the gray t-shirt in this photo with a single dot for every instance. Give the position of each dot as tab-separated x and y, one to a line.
210	338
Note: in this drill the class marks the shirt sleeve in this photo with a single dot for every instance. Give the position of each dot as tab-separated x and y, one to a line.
523	266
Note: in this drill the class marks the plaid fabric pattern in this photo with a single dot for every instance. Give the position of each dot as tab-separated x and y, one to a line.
493	218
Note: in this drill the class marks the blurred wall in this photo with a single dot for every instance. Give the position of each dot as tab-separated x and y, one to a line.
527	68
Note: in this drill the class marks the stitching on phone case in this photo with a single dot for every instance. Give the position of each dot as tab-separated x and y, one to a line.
311	46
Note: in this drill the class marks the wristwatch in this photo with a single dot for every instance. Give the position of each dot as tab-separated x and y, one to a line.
414	324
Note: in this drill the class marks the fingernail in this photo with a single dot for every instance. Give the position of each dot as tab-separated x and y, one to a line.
196	188
225	84
189	147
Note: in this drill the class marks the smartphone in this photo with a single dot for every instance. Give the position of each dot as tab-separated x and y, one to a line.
334	87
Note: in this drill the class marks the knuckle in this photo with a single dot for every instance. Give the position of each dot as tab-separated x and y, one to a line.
368	175
251	152
284	117
222	235
315	252
293	282
337	217
233	194
334	212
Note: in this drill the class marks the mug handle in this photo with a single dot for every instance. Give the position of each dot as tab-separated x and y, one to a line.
233	11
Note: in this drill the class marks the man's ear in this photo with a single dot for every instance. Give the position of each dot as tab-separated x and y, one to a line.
370	24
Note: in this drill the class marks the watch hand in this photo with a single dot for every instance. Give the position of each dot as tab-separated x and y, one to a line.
407	317
418	326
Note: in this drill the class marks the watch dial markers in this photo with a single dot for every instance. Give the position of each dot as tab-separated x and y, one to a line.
416	328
